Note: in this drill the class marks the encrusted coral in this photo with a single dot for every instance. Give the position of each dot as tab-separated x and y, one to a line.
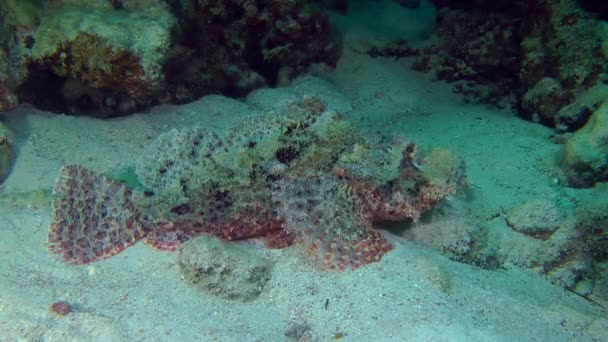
585	157
236	46
538	56
20	13
110	53
278	176
477	51
542	101
578	256
106	58
8	100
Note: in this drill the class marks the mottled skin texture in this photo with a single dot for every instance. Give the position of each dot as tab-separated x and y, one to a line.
324	208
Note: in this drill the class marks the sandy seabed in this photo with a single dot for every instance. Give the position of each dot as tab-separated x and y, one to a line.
413	294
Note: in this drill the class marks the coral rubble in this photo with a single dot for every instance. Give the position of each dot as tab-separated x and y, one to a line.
300	175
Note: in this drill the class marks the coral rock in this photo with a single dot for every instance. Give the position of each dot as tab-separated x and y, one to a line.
586	152
543	101
242	45
574	115
8	100
538	55
6	151
230	271
537	218
107	58
107	53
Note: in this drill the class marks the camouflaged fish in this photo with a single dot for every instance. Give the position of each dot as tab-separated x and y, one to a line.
300	175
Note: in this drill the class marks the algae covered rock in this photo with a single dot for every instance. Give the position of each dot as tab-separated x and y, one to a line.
585	157
542	102
231	271
580	262
245	45
538	218
562	236
107	58
8	100
6	151
592	221
575	115
113	57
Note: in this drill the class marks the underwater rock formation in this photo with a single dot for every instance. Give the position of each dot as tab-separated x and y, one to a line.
116	57
579	110
582	260
545	59
104	59
563	237
566	43
539	56
237	46
585	157
8	100
229	271
544	101
298	175
539	218
6	151
478	53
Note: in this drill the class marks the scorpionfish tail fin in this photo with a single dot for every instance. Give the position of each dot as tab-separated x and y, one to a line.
94	217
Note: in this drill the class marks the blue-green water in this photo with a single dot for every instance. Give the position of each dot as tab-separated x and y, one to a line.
303	171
